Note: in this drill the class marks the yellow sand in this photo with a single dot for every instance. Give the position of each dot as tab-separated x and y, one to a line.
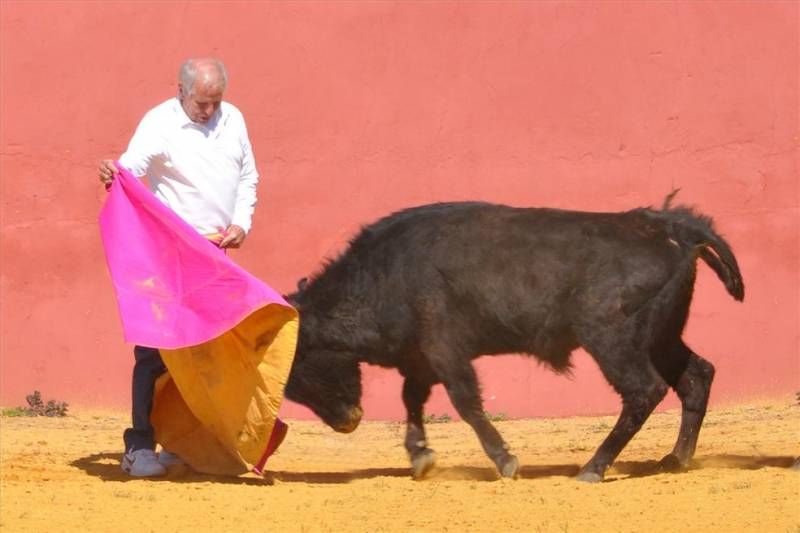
63	475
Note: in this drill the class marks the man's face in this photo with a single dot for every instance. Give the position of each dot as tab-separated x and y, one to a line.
202	101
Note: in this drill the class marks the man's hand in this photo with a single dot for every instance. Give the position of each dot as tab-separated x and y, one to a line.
107	172
234	237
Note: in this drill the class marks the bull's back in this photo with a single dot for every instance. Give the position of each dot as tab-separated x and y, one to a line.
516	278
466	248
479	248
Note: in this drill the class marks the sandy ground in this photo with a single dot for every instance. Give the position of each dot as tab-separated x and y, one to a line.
63	474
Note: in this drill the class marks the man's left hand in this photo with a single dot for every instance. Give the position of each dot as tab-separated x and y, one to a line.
234	237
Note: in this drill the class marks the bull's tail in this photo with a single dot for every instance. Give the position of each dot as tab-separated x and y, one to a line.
696	232
722	261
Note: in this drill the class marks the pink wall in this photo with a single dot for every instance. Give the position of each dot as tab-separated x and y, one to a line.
358	109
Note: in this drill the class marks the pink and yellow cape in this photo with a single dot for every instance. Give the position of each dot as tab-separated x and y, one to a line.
226	338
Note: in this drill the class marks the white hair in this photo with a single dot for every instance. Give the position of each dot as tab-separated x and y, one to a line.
188	74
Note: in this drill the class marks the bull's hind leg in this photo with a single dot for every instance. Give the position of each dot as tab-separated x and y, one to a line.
414	397
641	388
461	383
690	376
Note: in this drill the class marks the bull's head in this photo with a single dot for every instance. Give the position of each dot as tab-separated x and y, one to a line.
325	379
329	383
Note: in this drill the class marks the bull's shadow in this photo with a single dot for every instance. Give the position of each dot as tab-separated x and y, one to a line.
636	469
620	470
106	467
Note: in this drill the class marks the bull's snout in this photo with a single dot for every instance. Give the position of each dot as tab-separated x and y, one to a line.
354	415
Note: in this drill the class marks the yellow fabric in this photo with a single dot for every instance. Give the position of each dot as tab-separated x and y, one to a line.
217	404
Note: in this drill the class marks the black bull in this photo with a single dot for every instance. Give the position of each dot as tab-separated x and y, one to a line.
428	289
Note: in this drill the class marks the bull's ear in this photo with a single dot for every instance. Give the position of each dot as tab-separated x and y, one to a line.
301	284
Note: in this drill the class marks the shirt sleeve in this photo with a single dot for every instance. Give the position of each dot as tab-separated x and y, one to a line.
246	190
145	145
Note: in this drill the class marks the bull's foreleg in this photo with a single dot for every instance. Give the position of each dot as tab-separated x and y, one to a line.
422	458
693	387
462	387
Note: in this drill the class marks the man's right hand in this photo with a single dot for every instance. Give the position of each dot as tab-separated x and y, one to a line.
107	172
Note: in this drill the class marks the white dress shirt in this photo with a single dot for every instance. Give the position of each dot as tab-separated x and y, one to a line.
206	173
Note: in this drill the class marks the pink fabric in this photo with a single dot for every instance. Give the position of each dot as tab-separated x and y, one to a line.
174	288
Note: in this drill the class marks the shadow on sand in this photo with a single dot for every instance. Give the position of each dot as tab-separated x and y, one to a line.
106	467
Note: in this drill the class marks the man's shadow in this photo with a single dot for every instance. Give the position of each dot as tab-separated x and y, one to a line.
106	467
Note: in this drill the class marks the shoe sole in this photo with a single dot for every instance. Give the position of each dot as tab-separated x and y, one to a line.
127	467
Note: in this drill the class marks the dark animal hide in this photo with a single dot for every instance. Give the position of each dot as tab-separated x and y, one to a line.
428	289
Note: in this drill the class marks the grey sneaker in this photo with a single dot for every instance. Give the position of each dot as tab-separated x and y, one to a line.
142	463
168	458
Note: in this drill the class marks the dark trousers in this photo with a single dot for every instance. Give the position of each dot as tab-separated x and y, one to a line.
145	372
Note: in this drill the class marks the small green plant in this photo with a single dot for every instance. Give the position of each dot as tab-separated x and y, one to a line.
495	417
37	407
13	411
434	419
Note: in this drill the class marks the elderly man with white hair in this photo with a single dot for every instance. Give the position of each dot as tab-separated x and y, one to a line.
195	155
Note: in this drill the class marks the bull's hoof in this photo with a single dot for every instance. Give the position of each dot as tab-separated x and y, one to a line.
510	468
587	476
671	463
422	462
796	465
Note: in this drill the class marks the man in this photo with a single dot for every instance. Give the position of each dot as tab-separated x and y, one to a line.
194	152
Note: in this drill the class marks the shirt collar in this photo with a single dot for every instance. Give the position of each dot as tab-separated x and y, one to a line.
185	122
